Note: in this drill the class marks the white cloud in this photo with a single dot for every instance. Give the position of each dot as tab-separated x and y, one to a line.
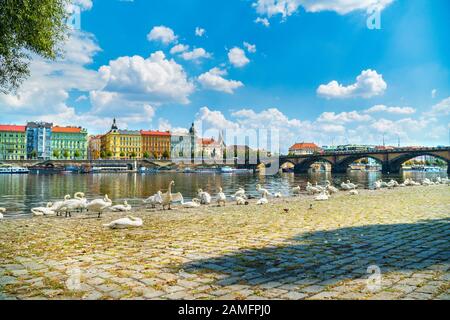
393	110
155	79
215	119
163	34
195	54
286	8
199	32
440	109
179	48
237	57
264	21
214	80
368	84
83	4
343	117
250	47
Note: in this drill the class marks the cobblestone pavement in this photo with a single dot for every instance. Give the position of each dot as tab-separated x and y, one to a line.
248	252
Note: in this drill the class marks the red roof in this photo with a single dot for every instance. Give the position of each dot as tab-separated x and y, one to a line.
207	141
155	133
304	145
12	128
66	129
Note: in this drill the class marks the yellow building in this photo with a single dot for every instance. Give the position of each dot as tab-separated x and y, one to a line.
121	144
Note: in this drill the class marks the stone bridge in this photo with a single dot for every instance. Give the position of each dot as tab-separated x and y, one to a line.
390	160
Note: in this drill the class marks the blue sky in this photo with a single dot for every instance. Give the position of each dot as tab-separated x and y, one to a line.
297	72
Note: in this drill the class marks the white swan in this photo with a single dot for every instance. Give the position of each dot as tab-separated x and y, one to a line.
221	198
311	190
2	211
125	207
195	203
351	185
330	188
58	205
205	197
278	195
43	211
263	199
426	182
324	196
123	223
240	193
169	197
262	190
296	190
320	188
241	201
353	192
155	199
71	205
99	205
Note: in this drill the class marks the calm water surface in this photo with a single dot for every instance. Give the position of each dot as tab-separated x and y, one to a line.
20	193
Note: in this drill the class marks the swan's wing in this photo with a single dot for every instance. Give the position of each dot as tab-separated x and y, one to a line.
177	197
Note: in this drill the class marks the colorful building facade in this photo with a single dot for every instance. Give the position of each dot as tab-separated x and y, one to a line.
304	148
94	147
13	142
156	144
69	143
121	144
39	140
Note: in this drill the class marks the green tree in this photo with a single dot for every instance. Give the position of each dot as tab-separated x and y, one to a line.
66	154
109	154
77	154
146	155
133	155
122	154
56	153
33	154
28	27
102	154
155	155
166	154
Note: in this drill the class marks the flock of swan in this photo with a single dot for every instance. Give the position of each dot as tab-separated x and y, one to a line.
80	203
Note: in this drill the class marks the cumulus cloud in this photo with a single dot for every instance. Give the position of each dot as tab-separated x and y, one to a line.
155	79
214	80
440	109
237	57
179	48
195	54
199	32
343	117
368	84
264	21
393	110
216	119
250	47
287	8
162	34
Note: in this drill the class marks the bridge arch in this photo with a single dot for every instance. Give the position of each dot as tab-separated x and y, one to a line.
342	165
305	165
396	163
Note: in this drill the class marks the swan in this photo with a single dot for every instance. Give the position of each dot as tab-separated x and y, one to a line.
351	185
263	200
155	199
195	203
125	207
296	190
123	223
377	185
324	196
83	201
78	203
426	182
43	211
320	188
278	195
58	205
99	205
330	188
240	193
2	211
241	201
311	190
170	197
221	198
353	192
205	197
262	190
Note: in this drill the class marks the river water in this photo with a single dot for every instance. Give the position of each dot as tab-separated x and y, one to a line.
20	193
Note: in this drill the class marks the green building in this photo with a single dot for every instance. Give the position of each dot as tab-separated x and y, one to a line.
69	143
13	142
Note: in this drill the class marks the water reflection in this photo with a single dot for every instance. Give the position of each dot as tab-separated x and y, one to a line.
19	193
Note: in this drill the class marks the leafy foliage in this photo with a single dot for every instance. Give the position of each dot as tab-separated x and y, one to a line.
28	27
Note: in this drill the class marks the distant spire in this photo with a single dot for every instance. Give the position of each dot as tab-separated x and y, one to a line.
114	125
